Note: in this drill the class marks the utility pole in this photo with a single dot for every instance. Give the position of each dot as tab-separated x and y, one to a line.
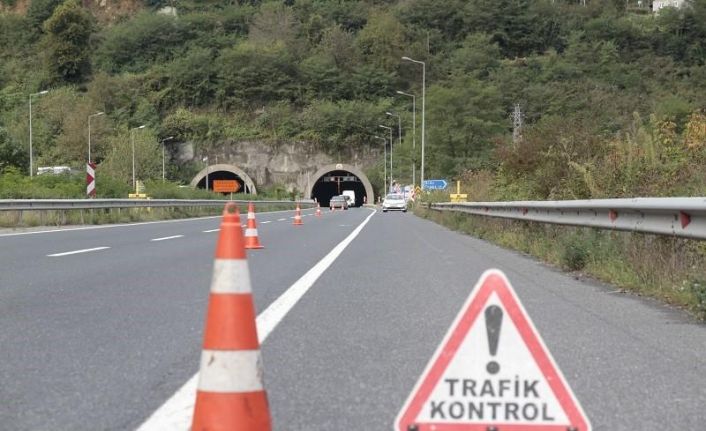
517	125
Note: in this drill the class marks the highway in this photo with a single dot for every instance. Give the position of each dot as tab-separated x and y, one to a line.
99	327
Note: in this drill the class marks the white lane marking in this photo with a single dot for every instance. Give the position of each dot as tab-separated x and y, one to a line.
211	230
281	219
176	413
85	250
110	226
265	222
167	237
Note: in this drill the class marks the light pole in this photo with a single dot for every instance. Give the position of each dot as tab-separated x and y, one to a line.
89	132
424	83
414	134
132	136
168	138
384	162
31	153
399	134
208	168
390	130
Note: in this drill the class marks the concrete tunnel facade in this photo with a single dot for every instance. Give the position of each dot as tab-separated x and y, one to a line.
224	172
323	190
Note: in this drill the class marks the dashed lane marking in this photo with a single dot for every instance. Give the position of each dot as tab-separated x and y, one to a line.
85	250
211	230
167	237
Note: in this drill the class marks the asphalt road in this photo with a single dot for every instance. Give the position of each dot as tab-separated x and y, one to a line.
99	340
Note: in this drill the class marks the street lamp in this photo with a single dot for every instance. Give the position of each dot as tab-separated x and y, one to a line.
390	130
89	132
424	79
414	134
168	138
31	153
384	162
208	168
132	138
399	135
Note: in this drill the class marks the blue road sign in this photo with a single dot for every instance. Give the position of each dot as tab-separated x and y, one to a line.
435	184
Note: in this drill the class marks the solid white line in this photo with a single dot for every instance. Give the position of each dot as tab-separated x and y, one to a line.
85	250
176	413
265	222
211	230
167	237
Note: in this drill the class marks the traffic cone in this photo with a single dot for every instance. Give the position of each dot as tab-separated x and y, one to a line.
298	216
318	210
251	238
231	394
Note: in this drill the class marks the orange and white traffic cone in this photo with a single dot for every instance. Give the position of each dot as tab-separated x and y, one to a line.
231	394
251	238
318	210
298	216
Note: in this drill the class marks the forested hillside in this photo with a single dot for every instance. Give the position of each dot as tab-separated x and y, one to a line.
612	96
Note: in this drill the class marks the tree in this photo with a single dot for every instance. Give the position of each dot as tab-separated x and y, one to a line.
68	33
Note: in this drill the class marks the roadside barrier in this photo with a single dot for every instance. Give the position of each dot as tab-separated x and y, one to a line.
230	393
252	240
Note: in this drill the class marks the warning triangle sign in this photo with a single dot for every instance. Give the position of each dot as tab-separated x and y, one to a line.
491	372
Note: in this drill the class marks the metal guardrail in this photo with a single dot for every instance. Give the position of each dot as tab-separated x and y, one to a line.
81	204
682	217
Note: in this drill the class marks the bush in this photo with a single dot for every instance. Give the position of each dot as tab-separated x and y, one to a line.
576	252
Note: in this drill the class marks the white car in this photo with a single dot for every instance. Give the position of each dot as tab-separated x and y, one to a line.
394	202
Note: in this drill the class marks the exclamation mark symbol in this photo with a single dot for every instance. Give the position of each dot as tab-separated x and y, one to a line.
493	322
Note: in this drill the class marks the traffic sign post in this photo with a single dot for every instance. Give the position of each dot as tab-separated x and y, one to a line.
492	371
91	179
434	184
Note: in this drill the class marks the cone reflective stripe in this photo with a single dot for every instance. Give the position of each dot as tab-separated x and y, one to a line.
231	394
252	241
318	210
298	216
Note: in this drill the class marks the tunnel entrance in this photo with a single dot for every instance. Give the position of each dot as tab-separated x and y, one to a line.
224	172
333	180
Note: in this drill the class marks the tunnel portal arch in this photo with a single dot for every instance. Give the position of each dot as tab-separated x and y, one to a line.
318	188
224	172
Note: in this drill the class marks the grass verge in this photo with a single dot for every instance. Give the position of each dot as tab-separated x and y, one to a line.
670	269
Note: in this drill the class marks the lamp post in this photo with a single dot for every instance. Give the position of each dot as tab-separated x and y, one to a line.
208	168
168	138
424	79
132	136
89	132
399	134
390	130
414	134
384	162
31	153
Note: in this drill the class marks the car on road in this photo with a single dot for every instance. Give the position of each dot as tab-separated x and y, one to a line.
394	202
350	194
339	202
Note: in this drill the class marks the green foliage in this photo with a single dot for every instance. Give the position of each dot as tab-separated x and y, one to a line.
608	94
135	44
576	251
68	31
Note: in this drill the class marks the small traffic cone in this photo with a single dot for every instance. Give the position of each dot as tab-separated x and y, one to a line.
298	216
231	394
251	238
318	210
